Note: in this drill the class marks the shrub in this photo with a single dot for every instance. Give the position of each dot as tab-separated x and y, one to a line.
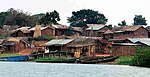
142	57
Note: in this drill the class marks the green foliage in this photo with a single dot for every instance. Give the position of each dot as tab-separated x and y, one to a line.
123	23
8	54
139	20
110	25
2	18
70	31
16	17
41	38
50	18
124	60
86	16
37	18
142	58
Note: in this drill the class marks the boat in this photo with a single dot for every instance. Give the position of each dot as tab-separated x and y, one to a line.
15	58
88	61
58	60
108	59
95	60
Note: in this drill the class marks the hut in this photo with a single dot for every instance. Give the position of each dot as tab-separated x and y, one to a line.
124	49
85	47
58	44
96	30
21	32
129	32
42	31
14	45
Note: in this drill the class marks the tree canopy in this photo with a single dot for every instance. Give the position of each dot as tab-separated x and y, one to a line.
50	18
139	20
123	23
16	17
86	16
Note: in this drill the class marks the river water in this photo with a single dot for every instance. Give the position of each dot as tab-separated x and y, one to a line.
31	69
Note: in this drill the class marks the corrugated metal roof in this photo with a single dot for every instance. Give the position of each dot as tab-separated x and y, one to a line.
60	26
97	27
125	44
58	42
146	42
139	39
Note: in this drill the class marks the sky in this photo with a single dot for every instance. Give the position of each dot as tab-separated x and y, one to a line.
114	10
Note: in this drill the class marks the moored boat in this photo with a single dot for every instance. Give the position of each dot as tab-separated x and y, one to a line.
15	58
57	60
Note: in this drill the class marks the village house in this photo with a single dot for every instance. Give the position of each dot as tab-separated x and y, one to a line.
14	45
129	32
148	28
88	46
128	46
96	30
45	31
123	49
141	41
60	30
21	32
80	47
77	31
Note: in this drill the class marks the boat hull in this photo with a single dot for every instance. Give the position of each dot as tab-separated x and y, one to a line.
14	58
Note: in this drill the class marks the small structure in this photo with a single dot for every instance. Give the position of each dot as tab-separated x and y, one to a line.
96	30
89	46
21	32
60	30
45	31
129	32
58	44
14	45
124	49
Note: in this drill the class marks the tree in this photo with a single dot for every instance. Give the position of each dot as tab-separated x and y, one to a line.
83	17
123	23
16	17
50	18
139	20
2	18
37	17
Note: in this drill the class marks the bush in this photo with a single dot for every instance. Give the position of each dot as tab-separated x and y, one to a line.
124	60
142	57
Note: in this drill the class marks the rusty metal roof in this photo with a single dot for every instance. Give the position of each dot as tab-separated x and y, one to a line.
126	28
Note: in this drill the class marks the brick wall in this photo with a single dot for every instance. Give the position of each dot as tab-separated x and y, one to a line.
123	50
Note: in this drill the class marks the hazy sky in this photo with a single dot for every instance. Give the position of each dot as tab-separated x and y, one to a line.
114	10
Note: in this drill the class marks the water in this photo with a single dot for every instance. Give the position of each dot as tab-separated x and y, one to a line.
31	69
